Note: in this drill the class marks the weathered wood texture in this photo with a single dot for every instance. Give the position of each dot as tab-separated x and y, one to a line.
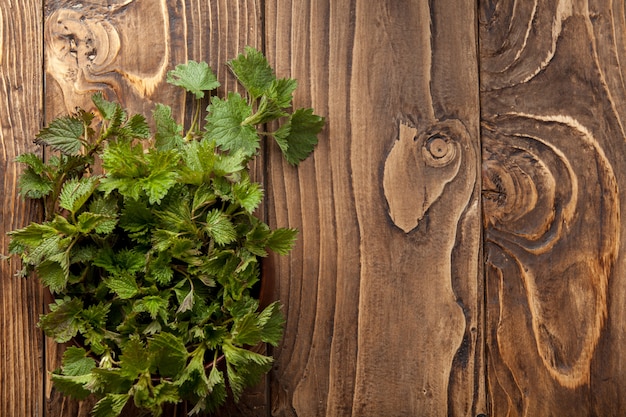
21	344
383	295
553	108
389	311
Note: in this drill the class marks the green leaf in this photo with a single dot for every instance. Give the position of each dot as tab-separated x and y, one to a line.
107	210
176	216
53	275
298	137
74	386
273	102
224	125
76	192
33	185
33	161
281	91
282	240
76	362
137	219
169	134
195	77
110	406
124	261
247	194
137	127
135	358
109	380
220	228
107	109
124	285
93	326
126	166
166	392
34	234
187	303
61	323
253	72
218	389
169	352
162	166
153	305
244	368
124	159
63	134
159	268
271	322
246	331
193	379
233	162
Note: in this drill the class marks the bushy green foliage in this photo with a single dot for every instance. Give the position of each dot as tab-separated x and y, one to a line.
152	262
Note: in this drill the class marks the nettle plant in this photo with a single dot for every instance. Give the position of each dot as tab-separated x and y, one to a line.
153	260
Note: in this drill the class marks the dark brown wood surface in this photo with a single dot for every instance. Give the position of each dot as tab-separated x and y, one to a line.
21	80
383	292
552	104
395	305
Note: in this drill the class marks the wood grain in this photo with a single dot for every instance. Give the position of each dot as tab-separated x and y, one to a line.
552	105
383	294
21	347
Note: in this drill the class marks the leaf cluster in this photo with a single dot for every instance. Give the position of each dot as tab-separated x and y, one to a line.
153	262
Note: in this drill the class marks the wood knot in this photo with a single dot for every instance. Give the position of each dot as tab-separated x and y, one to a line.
418	168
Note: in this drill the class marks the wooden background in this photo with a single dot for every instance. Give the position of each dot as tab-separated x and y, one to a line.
461	249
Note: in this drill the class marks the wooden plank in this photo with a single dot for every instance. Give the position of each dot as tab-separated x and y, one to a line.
553	109
125	49
383	294
21	350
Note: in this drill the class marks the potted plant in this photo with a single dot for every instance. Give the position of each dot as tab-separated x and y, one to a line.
152	259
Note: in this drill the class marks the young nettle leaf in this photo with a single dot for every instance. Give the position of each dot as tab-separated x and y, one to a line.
62	322
168	134
135	358
297	138
162	166
275	99
155	305
34	234
75	362
220	228
63	134
135	128
33	185
76	192
225	125
253	72
110	406
137	220
282	240
108	110
271	323
169	353
195	77
244	367
123	159
247	194
33	161
73	386
53	274
107	211
124	285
